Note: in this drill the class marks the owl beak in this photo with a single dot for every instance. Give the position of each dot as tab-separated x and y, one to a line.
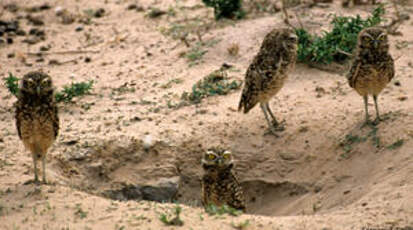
375	43
220	161
38	90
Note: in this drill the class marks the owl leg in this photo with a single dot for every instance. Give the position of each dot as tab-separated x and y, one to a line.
275	123
36	178
44	169
264	110
377	107
366	99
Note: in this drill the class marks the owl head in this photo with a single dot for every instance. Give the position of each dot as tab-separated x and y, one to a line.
217	159
36	84
289	38
280	40
373	39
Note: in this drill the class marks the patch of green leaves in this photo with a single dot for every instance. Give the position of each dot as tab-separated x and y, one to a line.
241	225
216	83
175	220
396	144
74	90
79	212
226	8
12	84
212	210
66	95
349	140
328	47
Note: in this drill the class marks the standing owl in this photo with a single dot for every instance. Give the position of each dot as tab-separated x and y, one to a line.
36	116
219	185
373	67
266	74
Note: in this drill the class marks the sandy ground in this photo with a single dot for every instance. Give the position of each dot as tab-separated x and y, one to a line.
309	177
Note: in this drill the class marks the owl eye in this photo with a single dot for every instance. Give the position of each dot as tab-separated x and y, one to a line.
45	82
211	156
381	38
226	155
366	38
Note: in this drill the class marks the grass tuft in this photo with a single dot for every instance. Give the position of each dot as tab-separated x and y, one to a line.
175	221
212	210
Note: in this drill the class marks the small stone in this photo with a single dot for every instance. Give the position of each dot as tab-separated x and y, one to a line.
79	28
88	59
99	13
397	83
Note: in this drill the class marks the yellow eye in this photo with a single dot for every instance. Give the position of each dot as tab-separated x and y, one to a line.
381	38
226	156
45	82
211	156
367	38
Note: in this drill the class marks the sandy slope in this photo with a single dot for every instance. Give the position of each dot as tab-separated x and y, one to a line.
303	179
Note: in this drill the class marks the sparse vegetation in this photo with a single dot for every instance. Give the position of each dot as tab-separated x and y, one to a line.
226	8
216	83
66	95
11	83
337	44
74	90
396	144
233	49
221	210
176	220
186	31
79	212
241	225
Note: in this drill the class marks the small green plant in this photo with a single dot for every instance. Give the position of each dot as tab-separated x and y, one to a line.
226	8
216	83
242	225
396	144
66	95
175	221
11	83
212	210
337	44
195	54
79	212
74	90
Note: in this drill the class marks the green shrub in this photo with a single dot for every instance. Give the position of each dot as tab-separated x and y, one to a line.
215	83
226	8
66	95
11	83
74	90
343	37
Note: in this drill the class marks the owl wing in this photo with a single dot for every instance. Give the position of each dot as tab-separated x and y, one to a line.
257	78
17	116
238	199
55	120
353	73
390	68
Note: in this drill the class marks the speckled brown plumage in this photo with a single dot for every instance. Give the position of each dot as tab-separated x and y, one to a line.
219	185
36	116
266	74
373	67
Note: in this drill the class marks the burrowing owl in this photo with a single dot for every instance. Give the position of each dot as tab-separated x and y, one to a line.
373	67
266	74
36	116
219	185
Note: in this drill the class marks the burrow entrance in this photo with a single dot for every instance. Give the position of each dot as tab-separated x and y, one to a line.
122	169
